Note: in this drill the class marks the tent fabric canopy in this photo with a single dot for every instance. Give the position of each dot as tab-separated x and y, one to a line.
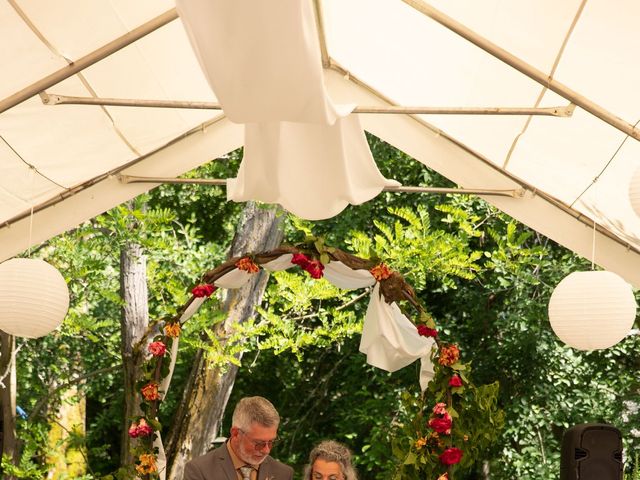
62	162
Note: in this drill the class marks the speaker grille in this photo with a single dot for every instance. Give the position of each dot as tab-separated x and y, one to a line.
579	454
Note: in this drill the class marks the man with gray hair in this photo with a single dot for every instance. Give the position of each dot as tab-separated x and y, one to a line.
245	456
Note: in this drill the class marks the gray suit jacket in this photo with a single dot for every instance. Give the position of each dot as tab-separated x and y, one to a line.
217	465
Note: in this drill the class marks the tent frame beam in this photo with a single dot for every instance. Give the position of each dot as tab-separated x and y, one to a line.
55	99
88	60
525	68
515	193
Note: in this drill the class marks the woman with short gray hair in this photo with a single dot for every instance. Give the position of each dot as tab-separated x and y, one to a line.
330	460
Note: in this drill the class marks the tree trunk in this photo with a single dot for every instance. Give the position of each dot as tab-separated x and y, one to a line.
8	397
134	322
199	415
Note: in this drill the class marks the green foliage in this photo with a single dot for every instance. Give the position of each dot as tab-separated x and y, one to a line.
476	423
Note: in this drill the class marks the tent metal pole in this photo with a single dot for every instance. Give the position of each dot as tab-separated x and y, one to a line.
54	99
515	193
88	60
525	68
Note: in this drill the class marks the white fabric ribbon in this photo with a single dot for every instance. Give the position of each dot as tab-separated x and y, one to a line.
236	278
391	341
344	277
283	262
192	308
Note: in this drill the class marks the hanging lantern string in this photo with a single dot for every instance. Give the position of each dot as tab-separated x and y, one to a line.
593	246
33	182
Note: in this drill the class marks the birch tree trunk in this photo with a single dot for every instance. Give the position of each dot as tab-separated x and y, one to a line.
198	418
8	397
133	322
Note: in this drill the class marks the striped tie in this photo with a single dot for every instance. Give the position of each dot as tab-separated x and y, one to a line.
246	472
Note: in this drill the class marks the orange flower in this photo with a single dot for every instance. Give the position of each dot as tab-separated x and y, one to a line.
150	391
146	464
380	272
172	329
247	265
444	476
421	442
449	355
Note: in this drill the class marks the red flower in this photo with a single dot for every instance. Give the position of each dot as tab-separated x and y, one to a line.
441	424
204	290
451	456
247	265
449	355
157	349
425	331
300	259
313	267
380	272
455	381
150	392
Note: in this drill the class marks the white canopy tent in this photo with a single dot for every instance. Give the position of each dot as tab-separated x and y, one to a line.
60	164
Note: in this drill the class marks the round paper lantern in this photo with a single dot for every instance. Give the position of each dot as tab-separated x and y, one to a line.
34	297
634	192
592	310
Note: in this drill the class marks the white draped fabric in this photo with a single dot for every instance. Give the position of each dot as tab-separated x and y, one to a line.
281	263
236	278
301	150
344	277
262	59
391	341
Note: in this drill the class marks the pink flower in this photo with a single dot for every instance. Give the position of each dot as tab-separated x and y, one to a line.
133	430
157	349
144	429
425	331
140	429
440	409
455	381
451	456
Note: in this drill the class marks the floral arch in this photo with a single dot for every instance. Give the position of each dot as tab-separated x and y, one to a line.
454	420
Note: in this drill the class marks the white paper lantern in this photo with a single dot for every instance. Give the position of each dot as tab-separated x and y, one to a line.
634	192
34	297
592	310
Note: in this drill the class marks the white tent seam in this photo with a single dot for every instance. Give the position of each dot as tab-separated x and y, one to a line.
99	178
554	67
524	67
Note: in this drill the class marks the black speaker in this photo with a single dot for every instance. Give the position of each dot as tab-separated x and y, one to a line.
591	451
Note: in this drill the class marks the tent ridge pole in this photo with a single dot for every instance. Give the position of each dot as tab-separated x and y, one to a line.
514	193
525	68
566	111
88	60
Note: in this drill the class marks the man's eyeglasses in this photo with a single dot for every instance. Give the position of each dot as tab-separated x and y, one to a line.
260	444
